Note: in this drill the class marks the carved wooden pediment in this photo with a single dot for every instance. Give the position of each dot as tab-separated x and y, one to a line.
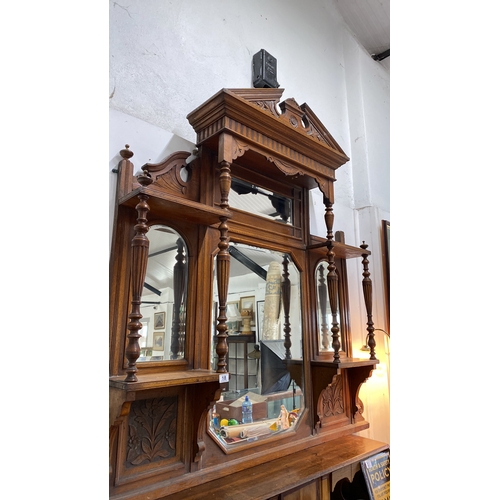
167	173
288	135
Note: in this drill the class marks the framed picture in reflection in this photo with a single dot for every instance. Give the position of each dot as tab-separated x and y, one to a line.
159	321
158	340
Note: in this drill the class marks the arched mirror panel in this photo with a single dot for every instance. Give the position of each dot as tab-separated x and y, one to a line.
163	305
260	320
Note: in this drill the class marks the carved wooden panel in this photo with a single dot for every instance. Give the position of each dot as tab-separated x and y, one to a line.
151	431
331	401
173	175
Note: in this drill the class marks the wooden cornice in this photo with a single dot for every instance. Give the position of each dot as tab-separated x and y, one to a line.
294	139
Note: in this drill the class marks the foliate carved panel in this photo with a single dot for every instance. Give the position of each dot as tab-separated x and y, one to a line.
172	174
269	106
286	168
331	400
172	181
239	149
152	431
313	132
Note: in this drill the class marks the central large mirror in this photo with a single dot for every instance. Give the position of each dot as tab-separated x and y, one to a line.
258	360
163	303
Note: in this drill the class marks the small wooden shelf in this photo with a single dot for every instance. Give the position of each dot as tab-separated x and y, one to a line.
171	206
164	380
341	250
347	363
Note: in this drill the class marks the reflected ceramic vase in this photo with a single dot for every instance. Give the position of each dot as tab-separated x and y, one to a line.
272	302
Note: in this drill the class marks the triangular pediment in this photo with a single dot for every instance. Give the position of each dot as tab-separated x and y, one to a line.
240	122
317	129
300	117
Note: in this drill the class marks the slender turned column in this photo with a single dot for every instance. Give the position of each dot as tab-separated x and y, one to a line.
179	284
223	261
367	292
140	248
285	293
332	280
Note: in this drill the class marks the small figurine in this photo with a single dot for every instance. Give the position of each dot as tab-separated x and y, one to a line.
283	422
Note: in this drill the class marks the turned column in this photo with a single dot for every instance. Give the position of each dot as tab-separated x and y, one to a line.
179	286
367	293
285	294
223	262
332	280
140	248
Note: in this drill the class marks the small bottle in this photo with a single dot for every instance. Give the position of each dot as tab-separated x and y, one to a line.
246	411
215	420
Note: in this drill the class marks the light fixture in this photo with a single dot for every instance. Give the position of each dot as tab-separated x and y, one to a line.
366	347
255	354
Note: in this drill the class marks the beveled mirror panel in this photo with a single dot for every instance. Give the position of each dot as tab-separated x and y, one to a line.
163	305
257	360
260	201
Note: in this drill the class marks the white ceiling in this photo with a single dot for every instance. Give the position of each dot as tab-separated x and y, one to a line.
369	21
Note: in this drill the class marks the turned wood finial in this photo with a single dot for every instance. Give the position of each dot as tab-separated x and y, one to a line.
126	153
144	178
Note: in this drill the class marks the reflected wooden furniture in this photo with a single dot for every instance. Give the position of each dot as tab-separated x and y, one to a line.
239	347
159	444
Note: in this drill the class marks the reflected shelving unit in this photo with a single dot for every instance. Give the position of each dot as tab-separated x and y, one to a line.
242	370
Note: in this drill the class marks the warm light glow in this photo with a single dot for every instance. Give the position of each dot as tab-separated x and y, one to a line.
381	370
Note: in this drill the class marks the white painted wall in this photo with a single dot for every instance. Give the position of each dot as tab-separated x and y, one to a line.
167	57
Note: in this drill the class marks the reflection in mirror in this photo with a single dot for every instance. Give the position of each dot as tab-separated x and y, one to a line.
163	305
259	201
325	318
263	311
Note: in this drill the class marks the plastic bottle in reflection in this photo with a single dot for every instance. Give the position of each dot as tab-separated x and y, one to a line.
246	411
215	420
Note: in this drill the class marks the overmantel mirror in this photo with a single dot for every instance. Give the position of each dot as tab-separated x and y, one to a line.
218	294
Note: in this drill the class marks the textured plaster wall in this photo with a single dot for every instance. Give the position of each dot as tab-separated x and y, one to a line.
166	57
